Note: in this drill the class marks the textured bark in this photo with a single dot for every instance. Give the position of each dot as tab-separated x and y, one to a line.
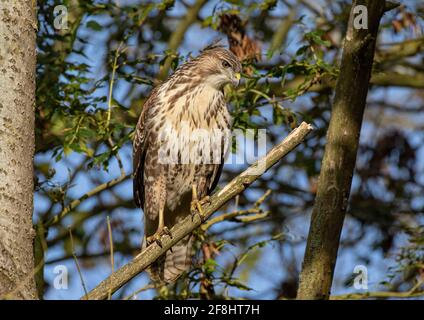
17	100
340	155
121	276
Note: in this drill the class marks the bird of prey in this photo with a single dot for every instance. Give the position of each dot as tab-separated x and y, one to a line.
179	147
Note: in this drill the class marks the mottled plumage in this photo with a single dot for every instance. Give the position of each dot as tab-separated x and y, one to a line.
181	139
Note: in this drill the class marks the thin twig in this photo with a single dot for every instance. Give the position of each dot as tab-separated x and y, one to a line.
134	294
417	286
112	260
76	262
89	194
111	82
178	35
255	213
117	156
280	35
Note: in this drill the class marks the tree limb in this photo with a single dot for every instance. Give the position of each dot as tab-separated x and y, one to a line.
340	153
282	31
378	294
413	292
381	79
75	203
121	276
400	50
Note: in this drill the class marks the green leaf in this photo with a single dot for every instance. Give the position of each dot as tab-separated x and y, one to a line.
67	150
238	285
302	50
94	25
316	37
210	266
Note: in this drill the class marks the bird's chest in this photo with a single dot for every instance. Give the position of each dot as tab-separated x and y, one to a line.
198	135
195	128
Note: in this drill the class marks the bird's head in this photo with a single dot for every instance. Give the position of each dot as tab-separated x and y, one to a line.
219	66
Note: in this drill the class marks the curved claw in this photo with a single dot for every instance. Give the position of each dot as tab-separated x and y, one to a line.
158	242
196	207
158	236
194	213
205	200
166	231
154	239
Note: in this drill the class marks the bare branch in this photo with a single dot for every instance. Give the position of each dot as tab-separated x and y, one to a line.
255	213
89	194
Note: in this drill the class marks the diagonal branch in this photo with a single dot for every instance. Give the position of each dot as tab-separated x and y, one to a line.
75	203
121	276
280	35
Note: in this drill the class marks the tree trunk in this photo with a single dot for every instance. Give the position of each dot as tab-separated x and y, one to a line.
340	154
17	100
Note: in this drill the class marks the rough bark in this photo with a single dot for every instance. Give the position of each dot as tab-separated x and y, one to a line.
121	276
17	100
340	155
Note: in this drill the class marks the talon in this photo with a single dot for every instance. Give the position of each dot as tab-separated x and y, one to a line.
205	200
166	231
196	204
199	208
149	240
157	236
194	214
195	211
154	239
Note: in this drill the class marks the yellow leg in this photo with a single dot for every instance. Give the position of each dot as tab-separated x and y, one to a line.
161	230
196	204
161	220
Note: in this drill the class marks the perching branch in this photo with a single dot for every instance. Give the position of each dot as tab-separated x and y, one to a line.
121	276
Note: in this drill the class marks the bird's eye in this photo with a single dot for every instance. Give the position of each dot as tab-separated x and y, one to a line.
225	64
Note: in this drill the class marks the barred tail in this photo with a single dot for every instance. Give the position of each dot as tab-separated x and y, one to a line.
170	266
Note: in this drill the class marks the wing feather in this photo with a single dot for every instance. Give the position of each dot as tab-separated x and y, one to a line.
140	146
216	174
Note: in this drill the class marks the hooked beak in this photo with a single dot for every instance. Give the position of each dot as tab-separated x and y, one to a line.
236	79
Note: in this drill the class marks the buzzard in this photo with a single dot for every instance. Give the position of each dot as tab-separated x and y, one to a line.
179	147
